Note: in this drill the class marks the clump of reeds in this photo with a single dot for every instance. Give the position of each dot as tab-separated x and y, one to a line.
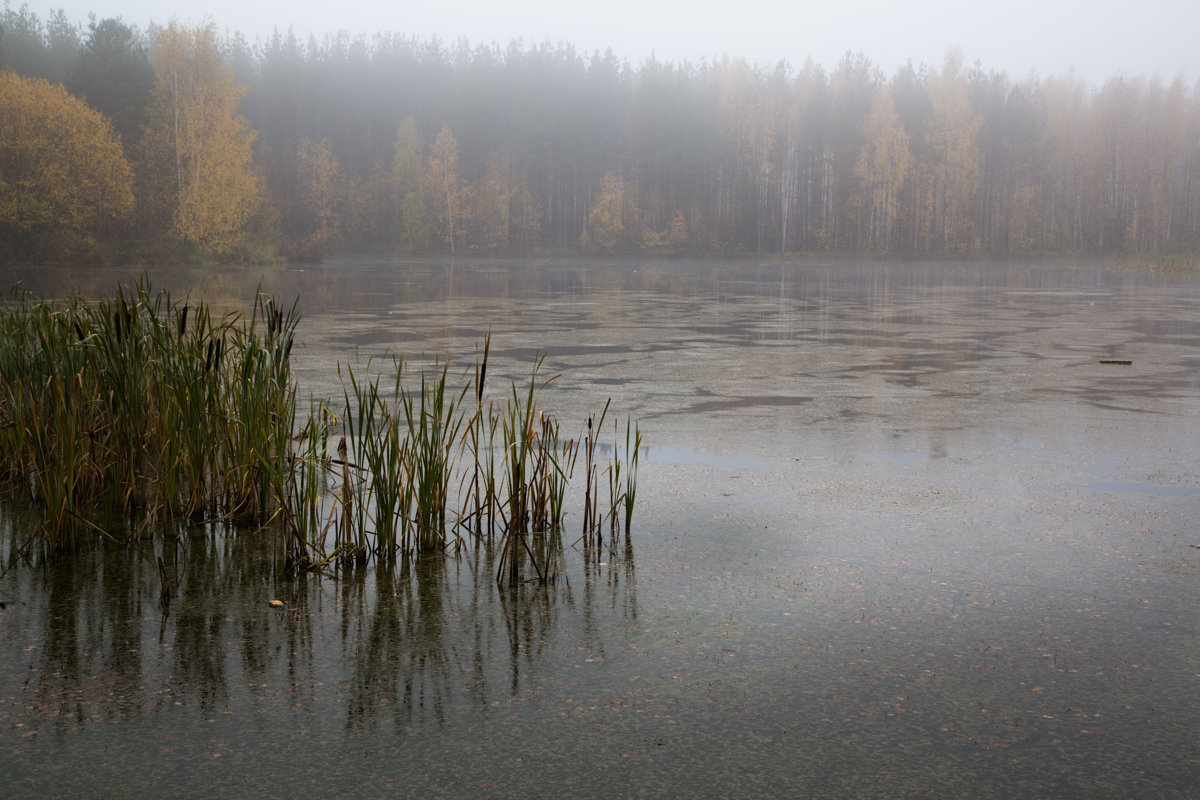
137	403
136	406
402	456
534	480
396	467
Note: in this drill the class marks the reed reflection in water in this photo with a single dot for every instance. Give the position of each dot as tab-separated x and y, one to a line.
387	648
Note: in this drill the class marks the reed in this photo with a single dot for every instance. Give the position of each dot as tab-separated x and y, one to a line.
307	483
434	421
135	403
622	489
478	441
132	410
259	411
631	459
354	491
591	478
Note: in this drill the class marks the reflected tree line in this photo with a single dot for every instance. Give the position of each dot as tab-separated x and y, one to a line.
415	642
411	145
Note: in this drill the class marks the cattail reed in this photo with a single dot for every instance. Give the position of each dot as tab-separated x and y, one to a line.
125	405
137	407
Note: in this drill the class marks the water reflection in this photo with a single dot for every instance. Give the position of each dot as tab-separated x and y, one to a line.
417	640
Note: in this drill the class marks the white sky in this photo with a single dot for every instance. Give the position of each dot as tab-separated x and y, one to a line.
1096	38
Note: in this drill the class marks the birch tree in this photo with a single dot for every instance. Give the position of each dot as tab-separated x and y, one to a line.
205	144
410	223
955	162
880	170
445	189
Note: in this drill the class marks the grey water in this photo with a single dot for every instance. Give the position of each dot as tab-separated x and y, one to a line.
899	533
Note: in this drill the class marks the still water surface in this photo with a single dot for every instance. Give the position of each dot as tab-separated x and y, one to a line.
899	533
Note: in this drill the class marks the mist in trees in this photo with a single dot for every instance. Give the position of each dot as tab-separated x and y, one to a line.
302	148
112	73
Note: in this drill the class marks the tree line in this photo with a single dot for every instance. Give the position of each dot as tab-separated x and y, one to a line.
184	142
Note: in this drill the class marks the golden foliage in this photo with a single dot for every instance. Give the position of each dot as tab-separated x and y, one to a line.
504	214
322	186
444	187
880	171
955	162
206	145
615	221
410	224
64	180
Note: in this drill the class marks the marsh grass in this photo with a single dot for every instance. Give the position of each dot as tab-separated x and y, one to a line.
135	413
135	402
406	448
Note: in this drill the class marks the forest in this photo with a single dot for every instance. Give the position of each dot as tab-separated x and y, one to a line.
181	142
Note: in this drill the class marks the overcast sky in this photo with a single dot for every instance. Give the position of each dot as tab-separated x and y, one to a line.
1096	38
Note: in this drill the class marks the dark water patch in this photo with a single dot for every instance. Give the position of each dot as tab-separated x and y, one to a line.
746	402
367	338
1107	399
583	351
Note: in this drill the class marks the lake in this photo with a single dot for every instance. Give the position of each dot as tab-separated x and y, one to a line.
900	532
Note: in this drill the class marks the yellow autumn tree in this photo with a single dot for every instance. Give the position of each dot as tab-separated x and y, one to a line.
954	167
504	214
677	235
410	222
323	188
202	145
448	197
64	180
489	217
879	172
614	222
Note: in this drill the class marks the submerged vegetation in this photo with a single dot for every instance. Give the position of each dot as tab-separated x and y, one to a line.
135	415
